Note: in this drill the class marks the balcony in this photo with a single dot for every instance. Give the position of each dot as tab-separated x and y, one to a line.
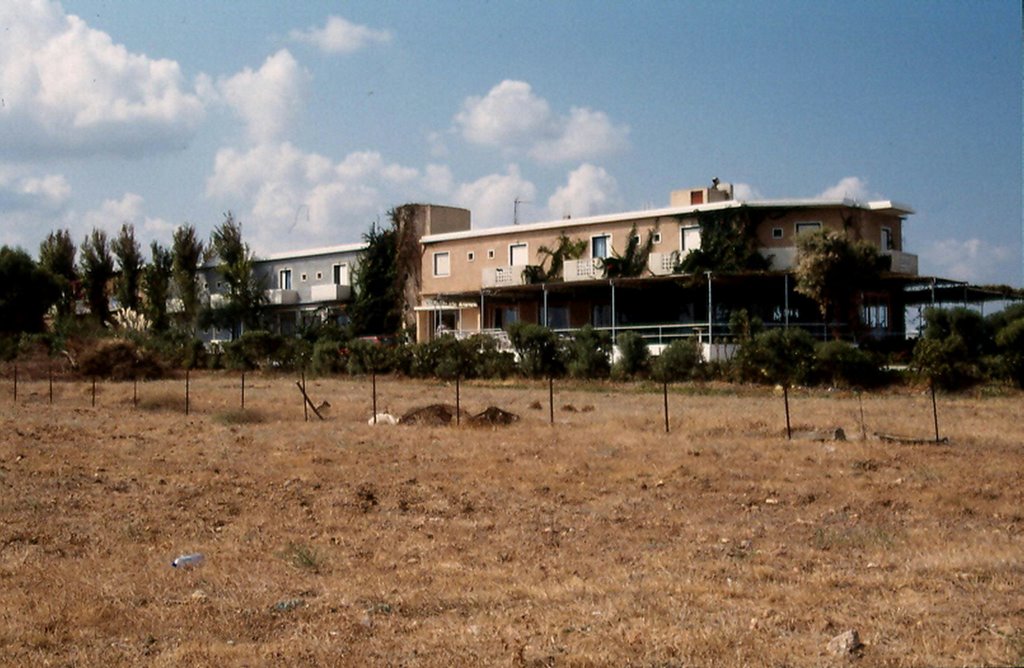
902	263
282	297
662	264
501	277
582	270
332	292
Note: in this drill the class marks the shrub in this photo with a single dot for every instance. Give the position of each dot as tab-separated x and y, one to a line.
489	361
589	354
634	357
539	350
844	365
254	349
680	360
365	356
327	357
783	356
119	359
946	362
1010	341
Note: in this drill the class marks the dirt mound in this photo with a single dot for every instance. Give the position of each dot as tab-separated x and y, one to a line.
434	415
493	415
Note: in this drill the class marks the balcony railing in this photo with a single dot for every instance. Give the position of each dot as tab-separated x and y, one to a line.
281	297
332	292
499	277
582	270
902	263
662	264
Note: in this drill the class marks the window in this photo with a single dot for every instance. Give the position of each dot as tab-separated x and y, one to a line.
303	277
689	239
696	197
657	238
517	255
340	274
319	275
490	254
470	256
886	238
776	233
442	264
599	246
284	279
810	226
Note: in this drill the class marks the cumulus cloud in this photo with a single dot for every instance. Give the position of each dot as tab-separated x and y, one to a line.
851	187
341	36
491	198
267	99
28	192
973	260
589	190
299	199
130	209
514	119
745	192
69	89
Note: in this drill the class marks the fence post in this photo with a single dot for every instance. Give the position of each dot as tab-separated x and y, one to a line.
135	391
243	389
551	399
935	410
373	377
94	391
50	375
785	398
305	407
187	379
15	383
664	392
458	402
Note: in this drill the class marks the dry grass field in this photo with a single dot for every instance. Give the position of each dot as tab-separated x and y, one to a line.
598	541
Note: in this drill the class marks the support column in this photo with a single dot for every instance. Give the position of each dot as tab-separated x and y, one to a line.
785	301
612	283
711	313
544	315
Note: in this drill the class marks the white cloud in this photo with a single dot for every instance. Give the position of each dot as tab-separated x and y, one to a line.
973	260
491	198
130	209
69	89
267	99
300	199
46	193
341	36
512	118
851	187
589	190
745	191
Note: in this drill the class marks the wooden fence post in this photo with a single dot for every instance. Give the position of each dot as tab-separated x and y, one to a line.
664	392
785	398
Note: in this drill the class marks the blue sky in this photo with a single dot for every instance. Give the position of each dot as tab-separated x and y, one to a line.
310	120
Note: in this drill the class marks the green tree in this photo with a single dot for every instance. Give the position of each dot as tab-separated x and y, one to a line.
376	308
129	264
835	271
539	350
27	292
96	268
187	256
728	243
246	293
57	256
553	259
633	260
156	286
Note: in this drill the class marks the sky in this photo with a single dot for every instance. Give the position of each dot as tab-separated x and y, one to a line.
309	121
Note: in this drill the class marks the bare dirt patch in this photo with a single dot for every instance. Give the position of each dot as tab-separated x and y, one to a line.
599	540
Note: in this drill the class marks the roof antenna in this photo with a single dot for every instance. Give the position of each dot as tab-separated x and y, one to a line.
515	209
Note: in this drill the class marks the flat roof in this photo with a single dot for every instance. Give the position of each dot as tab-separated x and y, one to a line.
883	206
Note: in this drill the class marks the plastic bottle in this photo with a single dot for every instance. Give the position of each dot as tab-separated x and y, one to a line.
188	560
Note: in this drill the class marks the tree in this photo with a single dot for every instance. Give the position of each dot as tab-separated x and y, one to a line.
246	292
156	286
57	256
187	254
129	263
96	268
728	243
564	249
835	271
27	291
377	307
633	261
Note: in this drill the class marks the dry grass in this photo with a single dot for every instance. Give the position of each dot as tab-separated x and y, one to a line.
598	541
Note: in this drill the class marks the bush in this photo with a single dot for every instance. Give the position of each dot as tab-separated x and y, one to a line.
841	364
539	350
589	354
680	360
365	356
634	357
254	349
946	362
327	357
119	359
780	356
1010	341
490	362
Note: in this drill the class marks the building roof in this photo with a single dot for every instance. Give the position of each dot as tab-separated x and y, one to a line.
882	206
